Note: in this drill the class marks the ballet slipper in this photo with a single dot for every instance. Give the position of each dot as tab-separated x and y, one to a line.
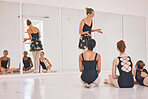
105	81
92	85
44	71
86	85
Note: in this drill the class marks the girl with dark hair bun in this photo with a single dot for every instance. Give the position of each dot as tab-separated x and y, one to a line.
141	74
90	66
36	45
85	28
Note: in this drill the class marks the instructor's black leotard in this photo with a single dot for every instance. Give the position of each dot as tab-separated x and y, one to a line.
26	63
125	79
4	63
85	37
89	74
138	77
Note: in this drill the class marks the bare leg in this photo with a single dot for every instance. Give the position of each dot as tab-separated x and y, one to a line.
113	81
145	81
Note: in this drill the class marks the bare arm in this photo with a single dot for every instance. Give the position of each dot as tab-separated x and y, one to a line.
29	34
80	63
8	63
81	28
114	65
48	62
134	72
0	67
99	63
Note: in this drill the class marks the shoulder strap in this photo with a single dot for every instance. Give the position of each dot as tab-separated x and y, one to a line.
30	29
91	20
82	56
95	56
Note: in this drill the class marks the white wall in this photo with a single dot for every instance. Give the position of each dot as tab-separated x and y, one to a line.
131	7
9	31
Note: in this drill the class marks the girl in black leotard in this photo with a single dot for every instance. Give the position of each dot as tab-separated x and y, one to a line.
5	63
45	64
141	74
90	66
36	45
85	28
124	64
27	62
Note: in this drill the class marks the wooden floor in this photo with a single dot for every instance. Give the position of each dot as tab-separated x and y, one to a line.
63	86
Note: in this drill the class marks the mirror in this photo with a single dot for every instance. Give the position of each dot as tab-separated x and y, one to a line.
134	34
46	19
10	36
59	30
111	25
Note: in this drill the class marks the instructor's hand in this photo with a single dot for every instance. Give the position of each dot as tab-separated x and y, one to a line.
88	33
99	31
25	40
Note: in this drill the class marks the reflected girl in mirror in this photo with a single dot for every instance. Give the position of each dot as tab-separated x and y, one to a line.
5	63
85	28
45	64
36	45
27	61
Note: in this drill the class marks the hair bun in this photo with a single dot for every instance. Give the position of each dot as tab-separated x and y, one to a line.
28	22
86	8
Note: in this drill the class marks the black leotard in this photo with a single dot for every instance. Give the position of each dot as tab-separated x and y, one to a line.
85	37
138	77
4	63
26	63
125	79
89	74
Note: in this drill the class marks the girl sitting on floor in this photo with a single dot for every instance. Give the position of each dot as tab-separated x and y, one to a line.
5	63
44	62
141	74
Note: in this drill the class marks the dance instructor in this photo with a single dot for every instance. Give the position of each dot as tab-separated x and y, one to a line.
85	28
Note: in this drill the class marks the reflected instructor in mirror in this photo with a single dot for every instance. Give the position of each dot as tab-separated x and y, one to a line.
36	45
